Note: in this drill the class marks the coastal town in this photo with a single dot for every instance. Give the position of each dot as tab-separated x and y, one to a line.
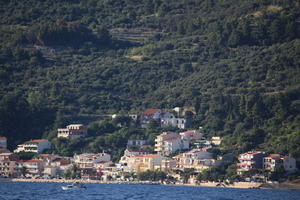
182	157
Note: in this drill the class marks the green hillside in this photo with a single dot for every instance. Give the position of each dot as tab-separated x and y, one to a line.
237	62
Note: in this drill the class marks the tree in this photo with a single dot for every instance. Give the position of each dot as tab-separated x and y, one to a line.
234	39
275	30
122	121
152	176
75	172
103	35
24	171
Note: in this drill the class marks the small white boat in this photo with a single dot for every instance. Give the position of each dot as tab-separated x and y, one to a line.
73	186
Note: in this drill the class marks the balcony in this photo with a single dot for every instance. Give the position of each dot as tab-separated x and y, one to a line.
246	159
244	164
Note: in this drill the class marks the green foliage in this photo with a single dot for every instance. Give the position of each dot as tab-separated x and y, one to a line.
236	62
151	176
72	173
26	155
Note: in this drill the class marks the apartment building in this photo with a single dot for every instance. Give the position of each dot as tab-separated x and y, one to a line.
143	163
35	146
198	159
250	160
34	167
169	142
72	131
87	162
9	164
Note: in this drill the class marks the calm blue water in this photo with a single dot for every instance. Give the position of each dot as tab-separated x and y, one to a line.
45	191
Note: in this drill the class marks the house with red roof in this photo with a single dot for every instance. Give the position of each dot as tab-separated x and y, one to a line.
273	162
87	163
150	114
141	163
169	142
250	160
34	167
163	118
198	159
54	165
72	131
9	164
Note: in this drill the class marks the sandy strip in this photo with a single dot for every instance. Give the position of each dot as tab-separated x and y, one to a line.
243	185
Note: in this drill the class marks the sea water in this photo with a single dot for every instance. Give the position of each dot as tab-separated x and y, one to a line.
53	191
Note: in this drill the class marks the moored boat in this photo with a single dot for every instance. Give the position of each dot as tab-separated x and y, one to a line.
75	185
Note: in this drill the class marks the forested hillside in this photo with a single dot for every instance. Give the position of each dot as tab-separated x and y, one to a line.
236	62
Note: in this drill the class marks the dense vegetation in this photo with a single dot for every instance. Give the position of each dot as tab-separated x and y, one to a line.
235	62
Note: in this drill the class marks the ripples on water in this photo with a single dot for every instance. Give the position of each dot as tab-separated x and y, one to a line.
53	191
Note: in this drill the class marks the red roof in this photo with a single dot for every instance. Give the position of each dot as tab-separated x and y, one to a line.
37	141
286	157
46	155
62	161
3	138
273	156
151	111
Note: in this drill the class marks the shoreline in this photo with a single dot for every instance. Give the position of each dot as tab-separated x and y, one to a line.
237	185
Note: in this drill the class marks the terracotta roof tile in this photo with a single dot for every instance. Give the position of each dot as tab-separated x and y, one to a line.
36	141
151	111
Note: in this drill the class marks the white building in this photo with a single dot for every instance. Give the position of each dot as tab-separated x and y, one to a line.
250	160
8	164
88	160
274	162
198	159
88	163
72	131
169	142
61	165
141	163
34	167
3	143
35	146
216	140
164	117
174	122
